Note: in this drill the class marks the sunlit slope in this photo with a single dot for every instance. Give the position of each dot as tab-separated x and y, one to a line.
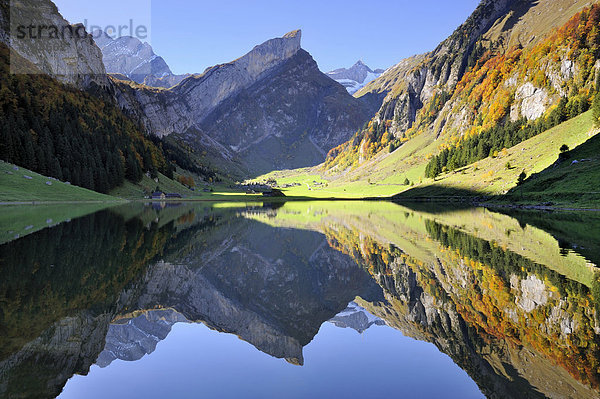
403	170
496	176
574	180
147	185
15	186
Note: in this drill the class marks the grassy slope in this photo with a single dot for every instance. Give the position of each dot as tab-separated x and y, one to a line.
572	181
382	176
130	190
491	177
385	175
15	188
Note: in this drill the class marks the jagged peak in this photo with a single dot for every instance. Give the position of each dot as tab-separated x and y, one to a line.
282	47
293	34
270	53
361	65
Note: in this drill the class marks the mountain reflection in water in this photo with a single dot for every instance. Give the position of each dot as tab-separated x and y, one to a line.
511	299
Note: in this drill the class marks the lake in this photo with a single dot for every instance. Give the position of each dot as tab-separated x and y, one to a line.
298	300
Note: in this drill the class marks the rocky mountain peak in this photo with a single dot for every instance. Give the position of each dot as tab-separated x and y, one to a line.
270	53
294	34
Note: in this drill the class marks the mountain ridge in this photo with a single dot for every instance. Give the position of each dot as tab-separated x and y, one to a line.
304	108
468	84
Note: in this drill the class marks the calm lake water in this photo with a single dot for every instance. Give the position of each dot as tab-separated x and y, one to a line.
298	300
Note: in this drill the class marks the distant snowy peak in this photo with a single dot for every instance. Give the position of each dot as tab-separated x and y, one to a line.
355	77
129	57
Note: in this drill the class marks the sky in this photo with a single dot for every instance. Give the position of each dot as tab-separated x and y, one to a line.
193	35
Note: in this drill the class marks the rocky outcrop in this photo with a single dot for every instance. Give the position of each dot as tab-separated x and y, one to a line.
166	81
61	50
530	102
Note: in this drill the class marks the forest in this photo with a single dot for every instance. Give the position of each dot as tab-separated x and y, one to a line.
67	134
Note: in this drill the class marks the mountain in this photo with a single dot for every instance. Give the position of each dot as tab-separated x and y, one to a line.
59	113
513	70
129	57
57	130
271	108
356	77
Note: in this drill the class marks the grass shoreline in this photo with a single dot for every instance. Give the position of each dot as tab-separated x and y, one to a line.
451	200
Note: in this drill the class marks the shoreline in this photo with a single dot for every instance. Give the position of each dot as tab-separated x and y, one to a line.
431	200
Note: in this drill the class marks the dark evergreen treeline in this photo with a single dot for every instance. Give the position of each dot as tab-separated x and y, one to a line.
493	140
64	133
176	155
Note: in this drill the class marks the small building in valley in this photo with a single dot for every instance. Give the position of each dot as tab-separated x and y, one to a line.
159	195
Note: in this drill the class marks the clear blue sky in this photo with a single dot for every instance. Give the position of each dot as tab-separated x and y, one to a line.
192	35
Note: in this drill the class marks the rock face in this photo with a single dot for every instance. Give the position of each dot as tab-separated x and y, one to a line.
531	101
176	110
73	58
271	107
355	77
414	81
129	57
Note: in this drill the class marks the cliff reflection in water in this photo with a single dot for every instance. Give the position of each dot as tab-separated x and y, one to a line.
513	300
